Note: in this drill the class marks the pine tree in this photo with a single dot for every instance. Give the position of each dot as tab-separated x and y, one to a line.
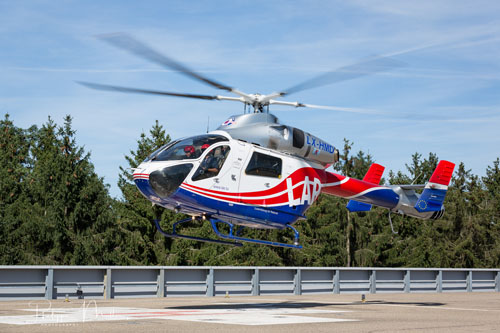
65	205
141	242
54	209
356	167
15	164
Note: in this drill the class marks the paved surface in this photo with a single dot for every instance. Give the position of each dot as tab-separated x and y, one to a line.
457	312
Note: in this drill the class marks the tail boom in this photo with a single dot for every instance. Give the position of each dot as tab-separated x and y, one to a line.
362	191
398	198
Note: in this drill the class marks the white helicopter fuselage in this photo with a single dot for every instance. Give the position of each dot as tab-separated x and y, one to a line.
254	186
248	185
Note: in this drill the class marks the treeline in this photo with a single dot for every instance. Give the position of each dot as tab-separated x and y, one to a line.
54	209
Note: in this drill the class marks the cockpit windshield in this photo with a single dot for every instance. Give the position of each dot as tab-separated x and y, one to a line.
153	154
186	149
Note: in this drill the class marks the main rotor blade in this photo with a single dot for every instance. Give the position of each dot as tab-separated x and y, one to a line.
342	109
333	108
143	91
130	44
367	67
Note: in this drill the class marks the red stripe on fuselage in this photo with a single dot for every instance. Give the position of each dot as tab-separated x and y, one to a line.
349	188
234	197
332	184
296	177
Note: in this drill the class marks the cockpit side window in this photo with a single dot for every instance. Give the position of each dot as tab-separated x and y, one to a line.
187	149
264	165
212	163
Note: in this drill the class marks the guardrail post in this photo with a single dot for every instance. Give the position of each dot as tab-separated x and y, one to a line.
497	281
161	283
49	284
255	282
210	283
336	282
298	282
108	284
469	281
439	281
407	281
373	282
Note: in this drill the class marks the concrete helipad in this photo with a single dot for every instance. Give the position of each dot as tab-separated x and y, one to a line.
321	313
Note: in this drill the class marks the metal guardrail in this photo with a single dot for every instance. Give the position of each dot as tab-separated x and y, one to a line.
98	282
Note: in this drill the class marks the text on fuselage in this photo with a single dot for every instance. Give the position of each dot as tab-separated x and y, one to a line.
310	191
317	143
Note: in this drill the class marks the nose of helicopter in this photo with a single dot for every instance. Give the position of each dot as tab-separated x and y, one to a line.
161	182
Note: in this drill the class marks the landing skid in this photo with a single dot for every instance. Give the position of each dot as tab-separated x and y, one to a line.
231	236
250	240
174	234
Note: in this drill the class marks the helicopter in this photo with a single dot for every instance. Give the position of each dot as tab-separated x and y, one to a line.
254	172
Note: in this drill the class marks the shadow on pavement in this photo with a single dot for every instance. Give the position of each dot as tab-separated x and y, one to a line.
292	305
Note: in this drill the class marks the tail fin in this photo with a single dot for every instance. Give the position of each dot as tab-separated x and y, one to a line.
431	199
373	175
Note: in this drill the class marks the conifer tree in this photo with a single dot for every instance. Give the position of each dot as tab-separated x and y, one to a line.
54	209
136	213
15	165
65	205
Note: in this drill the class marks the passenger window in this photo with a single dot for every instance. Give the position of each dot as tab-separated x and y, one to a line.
264	165
212	163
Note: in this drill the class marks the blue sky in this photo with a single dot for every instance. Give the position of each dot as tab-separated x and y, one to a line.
445	100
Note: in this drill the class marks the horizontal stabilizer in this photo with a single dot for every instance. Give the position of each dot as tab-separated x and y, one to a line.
412	186
356	206
374	174
432	198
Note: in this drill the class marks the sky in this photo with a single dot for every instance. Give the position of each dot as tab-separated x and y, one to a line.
444	99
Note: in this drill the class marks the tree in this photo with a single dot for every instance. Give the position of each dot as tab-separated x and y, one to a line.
356	167
15	164
54	209
141	242
64	205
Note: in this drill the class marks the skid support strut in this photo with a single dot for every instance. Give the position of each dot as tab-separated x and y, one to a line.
233	236
236	237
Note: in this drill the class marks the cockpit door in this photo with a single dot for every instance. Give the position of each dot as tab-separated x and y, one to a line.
241	153
214	172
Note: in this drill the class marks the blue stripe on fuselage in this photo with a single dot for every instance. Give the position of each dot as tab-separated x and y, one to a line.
275	217
383	197
248	215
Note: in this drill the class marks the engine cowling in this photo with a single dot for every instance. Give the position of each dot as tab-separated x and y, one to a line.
264	130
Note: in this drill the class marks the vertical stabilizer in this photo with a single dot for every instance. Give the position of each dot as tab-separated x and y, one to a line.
373	175
431	199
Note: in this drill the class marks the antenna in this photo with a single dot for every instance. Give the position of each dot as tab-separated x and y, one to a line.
414	180
208	123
